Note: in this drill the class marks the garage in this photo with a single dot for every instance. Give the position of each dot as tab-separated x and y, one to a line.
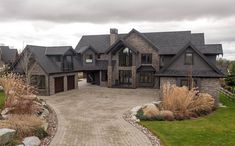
59	84
71	82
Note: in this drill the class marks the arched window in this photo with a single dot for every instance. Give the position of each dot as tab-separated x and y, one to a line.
125	57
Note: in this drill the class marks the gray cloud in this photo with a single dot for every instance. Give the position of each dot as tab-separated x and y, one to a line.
101	11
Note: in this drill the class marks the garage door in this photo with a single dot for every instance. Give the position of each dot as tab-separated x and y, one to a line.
70	82
59	84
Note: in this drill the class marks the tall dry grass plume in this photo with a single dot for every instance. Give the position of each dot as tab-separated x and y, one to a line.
19	95
181	100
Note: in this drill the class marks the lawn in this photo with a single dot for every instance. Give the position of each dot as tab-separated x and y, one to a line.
2	99
217	129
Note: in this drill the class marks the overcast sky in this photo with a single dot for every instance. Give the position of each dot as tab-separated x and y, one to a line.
63	22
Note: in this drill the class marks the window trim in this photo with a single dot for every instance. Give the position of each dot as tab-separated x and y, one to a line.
188	52
146	55
148	75
122	58
90	55
38	77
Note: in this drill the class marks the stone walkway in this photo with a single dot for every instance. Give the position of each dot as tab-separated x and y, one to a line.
92	116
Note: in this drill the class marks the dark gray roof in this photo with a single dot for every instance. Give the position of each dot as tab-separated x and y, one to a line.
57	50
48	65
166	42
8	55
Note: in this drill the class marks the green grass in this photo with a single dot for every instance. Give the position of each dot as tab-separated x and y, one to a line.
217	129
2	99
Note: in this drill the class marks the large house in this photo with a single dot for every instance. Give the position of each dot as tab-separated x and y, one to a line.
151	59
7	57
50	69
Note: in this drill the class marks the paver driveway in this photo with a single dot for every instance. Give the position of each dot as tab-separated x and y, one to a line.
92	116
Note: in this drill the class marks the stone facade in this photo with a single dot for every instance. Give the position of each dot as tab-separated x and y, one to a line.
36	69
143	47
211	86
52	81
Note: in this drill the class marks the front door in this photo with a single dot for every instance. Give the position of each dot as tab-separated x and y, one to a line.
125	78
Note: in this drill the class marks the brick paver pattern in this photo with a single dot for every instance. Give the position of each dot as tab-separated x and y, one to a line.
92	116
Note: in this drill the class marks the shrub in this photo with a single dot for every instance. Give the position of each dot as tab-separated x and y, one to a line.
166	115
25	125
184	102
150	110
19	95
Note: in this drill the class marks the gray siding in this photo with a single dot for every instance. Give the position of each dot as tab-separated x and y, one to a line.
198	64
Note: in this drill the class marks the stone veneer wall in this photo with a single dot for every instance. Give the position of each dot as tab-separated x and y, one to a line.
37	70
211	86
52	81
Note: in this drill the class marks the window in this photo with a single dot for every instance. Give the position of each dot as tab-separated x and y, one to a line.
58	58
161	61
89	58
188	58
184	82
104	75
98	56
38	81
146	77
188	83
125	77
68	63
146	58
125	57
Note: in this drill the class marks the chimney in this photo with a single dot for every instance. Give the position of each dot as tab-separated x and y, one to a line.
113	35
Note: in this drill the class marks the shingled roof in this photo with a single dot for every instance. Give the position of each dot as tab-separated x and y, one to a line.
167	42
8	55
40	54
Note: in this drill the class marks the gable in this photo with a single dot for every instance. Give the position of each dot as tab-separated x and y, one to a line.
36	69
198	62
203	66
140	42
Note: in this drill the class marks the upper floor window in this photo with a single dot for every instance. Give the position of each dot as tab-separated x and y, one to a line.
58	58
188	58
68	63
146	58
162	60
89	58
125	57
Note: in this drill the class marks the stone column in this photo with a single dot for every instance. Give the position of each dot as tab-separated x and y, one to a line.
65	83
133	71
110	71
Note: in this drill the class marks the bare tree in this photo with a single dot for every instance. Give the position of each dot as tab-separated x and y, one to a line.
25	63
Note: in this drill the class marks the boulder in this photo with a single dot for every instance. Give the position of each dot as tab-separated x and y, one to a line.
45	113
150	110
6	135
31	141
167	115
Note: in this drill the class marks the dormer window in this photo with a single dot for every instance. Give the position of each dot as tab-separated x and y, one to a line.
89	58
189	58
58	58
68	63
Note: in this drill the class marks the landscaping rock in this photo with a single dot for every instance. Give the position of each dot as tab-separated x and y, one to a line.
31	141
150	110
45	113
6	135
20	145
6	111
167	115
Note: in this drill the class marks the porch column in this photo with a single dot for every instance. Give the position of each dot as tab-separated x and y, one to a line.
133	71
110	70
